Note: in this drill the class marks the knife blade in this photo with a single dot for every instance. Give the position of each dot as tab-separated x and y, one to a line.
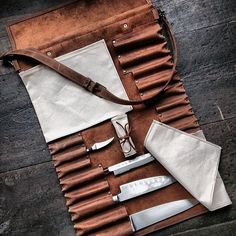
99	145
158	213
125	166
142	186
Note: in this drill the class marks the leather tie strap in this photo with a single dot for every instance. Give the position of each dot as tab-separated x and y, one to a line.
85	82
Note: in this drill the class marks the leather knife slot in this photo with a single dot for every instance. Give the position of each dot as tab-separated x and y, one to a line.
138	38
174	89
171	90
90	206
72	166
109	217
148	67
192	123
146	53
124	228
155	80
86	192
64	143
69	155
81	178
175	114
177	102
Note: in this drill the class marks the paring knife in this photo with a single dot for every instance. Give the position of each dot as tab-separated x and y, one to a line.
99	145
158	213
127	191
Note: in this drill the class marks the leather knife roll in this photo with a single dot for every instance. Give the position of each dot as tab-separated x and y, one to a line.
135	40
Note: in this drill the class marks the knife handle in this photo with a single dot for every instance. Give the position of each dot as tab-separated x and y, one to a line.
81	178
91	207
104	219
69	155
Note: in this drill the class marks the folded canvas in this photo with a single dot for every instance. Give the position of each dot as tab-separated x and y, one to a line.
62	106
191	160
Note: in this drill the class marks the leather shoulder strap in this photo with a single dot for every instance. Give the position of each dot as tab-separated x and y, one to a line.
85	82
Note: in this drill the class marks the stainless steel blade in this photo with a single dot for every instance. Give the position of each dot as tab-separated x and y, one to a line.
131	164
142	186
155	214
100	145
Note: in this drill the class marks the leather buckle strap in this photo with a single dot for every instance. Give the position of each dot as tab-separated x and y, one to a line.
85	82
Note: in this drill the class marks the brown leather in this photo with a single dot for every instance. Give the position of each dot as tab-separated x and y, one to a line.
89	207
143	61
64	143
86	192
69	155
88	84
109	217
83	177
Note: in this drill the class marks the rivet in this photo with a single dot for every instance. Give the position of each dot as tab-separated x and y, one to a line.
114	41
100	165
119	56
124	71
136	81
141	94
125	26
49	53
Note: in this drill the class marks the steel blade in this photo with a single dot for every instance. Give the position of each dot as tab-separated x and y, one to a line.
155	214
130	164
100	145
143	186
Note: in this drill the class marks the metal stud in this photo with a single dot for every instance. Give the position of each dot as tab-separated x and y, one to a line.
49	53
114	41
125	26
119	56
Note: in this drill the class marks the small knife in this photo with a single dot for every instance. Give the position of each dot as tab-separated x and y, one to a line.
158	213
99	145
127	191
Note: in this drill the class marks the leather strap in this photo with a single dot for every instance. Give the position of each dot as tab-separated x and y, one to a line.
85	82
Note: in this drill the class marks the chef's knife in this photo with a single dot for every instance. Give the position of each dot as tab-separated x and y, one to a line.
158	213
127	191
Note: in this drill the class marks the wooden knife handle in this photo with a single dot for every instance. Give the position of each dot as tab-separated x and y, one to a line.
91	207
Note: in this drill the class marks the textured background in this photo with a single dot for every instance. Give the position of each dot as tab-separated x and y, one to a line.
31	202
